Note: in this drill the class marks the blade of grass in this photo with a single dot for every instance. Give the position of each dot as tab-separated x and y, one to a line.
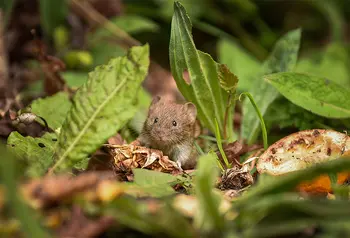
219	143
262	123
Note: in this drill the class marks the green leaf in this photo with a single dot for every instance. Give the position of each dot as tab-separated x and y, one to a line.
208	217
137	215
134	24
204	89
245	66
318	95
29	225
102	51
53	109
75	79
282	114
145	177
101	107
283	58
153	182
331	63
52	14
269	221
228	81
36	152
195	7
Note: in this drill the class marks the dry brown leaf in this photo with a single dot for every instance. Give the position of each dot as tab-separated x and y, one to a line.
237	177
128	157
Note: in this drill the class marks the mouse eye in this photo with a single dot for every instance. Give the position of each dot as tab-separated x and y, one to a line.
156	120
174	123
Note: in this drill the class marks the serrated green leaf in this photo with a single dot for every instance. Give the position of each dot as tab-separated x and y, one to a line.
102	106
245	66
29	225
53	109
318	95
52	14
154	183
228	81
208	217
204	89
283	58
36	152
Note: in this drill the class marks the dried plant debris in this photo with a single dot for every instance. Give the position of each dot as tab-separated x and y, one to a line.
235	149
236	178
49	191
128	157
52	68
304	149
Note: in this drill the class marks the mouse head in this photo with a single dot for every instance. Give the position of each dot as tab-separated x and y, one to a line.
169	123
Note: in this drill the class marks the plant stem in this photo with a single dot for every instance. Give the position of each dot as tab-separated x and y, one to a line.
228	106
219	143
262	123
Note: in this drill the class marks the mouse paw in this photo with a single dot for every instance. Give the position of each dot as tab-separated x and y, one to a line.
178	163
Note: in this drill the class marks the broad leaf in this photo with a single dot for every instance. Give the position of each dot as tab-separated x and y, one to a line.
29	225
195	7
331	63
134	24
37	153
102	51
75	79
204	88
52	14
102	106
245	66
155	183
208	217
131	24
315	94
158	221
53	109
145	177
283	58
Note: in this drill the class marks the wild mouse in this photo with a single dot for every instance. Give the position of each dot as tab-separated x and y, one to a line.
170	127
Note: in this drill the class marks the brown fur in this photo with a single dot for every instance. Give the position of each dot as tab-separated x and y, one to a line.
170	127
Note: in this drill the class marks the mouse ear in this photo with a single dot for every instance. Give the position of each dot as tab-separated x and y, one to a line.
155	100
192	110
